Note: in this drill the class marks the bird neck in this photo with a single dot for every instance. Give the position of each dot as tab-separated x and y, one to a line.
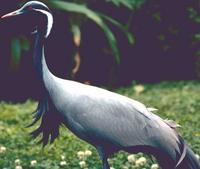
39	58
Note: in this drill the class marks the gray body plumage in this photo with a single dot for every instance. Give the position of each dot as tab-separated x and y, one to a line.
94	112
109	121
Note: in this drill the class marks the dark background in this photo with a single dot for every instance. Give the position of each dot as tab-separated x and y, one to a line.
165	48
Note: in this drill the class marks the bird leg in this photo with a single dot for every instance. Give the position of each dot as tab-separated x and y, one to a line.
105	163
103	156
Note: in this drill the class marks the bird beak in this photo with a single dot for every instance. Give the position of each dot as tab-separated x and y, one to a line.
15	13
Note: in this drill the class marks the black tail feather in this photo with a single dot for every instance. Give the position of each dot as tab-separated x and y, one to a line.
187	160
36	132
184	160
50	123
41	108
190	161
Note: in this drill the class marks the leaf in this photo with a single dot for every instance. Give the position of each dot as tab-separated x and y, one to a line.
25	44
81	9
18	44
128	34
197	36
119	2
127	4
197	19
115	2
15	51
131	4
75	28
192	13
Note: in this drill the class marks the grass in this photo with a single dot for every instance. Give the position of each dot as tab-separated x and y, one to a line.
179	101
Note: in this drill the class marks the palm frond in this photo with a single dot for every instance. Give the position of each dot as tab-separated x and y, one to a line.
81	9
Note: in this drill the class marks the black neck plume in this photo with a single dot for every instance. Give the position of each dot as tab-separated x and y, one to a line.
38	54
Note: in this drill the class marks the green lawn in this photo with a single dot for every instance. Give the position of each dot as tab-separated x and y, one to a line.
179	101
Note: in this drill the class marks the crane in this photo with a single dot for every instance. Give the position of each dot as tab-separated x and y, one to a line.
107	120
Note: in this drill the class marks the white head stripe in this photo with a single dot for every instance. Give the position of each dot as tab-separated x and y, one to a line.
49	21
36	2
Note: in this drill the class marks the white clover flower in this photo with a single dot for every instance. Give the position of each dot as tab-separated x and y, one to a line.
17	162
109	160
62	163
112	168
87	153
197	156
138	89
124	167
141	161
154	166
33	163
2	149
62	157
80	155
131	158
18	167
82	164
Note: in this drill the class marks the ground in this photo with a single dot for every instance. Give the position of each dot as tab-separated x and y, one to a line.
179	101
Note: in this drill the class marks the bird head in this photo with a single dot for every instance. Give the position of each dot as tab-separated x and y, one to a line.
44	19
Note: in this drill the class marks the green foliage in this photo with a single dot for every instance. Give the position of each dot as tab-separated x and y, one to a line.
193	14
18	45
124	29
195	17
179	101
197	36
16	50
131	4
80	8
